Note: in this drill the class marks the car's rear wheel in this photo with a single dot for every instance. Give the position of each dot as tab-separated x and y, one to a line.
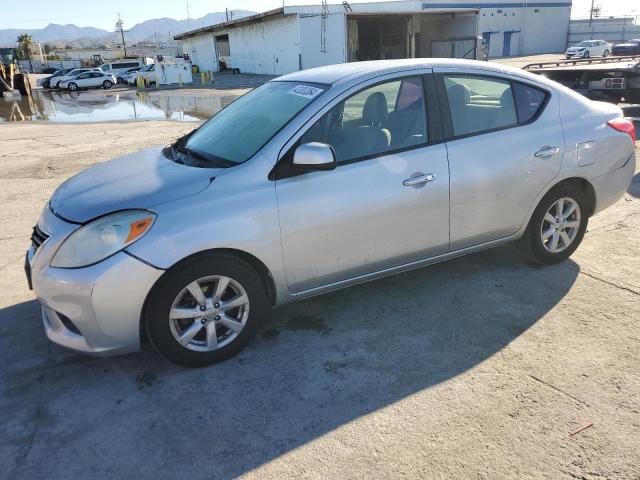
107	84
605	53
557	226
205	310
73	86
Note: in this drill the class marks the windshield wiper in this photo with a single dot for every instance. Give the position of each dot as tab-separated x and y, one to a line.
218	161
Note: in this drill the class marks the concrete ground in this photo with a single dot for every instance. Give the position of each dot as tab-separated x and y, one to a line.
476	368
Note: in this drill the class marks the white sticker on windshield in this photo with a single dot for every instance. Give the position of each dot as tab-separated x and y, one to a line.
305	91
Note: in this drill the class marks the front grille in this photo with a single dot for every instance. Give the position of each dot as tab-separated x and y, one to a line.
38	237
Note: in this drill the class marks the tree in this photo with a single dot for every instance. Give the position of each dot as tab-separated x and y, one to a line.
25	42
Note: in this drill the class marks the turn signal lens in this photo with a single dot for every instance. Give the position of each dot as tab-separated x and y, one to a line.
138	228
624	126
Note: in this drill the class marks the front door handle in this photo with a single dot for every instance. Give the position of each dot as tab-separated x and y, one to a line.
546	152
419	180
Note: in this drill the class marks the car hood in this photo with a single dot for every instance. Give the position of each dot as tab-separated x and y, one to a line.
139	180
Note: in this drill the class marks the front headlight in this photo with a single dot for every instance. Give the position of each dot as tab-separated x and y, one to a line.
102	238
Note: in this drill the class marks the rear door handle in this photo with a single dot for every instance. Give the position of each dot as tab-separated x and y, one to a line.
419	180
546	151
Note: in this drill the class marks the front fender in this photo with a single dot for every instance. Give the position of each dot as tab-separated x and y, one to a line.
235	212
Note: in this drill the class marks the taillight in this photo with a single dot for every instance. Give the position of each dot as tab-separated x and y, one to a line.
625	126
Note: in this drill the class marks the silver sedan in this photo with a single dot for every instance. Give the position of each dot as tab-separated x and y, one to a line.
315	181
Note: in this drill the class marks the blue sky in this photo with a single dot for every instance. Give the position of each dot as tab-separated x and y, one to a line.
39	13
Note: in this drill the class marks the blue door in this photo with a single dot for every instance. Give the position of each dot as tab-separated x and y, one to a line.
506	44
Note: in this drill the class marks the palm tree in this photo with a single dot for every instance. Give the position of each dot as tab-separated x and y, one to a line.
24	43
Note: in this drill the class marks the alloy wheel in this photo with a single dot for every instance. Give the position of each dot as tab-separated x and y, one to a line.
560	225
209	313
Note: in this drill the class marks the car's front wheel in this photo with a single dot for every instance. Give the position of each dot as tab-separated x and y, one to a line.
557	226
205	310
586	54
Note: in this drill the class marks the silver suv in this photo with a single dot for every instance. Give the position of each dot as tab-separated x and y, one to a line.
313	182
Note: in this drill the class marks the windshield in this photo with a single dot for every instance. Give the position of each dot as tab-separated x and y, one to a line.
237	132
583	44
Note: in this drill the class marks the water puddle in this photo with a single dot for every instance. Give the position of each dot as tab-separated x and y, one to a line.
90	106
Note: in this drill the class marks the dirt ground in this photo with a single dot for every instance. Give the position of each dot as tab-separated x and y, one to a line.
476	368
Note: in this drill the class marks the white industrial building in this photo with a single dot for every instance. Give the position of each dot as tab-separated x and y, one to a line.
298	37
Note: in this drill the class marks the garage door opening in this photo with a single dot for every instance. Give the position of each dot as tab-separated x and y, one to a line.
377	37
223	52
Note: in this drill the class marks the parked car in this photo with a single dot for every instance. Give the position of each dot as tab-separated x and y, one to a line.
57	75
315	181
55	83
122	76
631	47
148	73
121	66
589	48
95	79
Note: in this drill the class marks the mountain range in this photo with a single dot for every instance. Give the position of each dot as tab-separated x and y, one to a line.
73	35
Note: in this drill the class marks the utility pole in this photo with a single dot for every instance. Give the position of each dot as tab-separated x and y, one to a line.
119	28
591	12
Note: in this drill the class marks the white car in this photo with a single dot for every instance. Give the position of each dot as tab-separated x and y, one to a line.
589	48
95	79
148	73
73	73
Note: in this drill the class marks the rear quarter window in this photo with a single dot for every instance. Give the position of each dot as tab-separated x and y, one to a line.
529	101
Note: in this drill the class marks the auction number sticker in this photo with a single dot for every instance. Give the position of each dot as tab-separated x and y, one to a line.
305	91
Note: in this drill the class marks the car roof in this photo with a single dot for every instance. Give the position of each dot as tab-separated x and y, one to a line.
354	71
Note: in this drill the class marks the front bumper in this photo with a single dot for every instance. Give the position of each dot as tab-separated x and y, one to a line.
97	309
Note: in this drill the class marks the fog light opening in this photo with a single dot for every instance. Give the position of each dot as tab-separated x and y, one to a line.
68	324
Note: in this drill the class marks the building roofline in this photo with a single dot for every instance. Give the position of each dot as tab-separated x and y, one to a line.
231	23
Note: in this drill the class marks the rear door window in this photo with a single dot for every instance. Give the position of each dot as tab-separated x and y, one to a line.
479	104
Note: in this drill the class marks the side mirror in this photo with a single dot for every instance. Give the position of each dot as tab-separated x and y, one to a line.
314	156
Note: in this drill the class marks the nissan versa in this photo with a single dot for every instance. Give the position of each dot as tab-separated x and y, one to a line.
315	181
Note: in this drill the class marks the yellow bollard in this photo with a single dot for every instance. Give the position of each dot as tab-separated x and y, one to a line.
203	77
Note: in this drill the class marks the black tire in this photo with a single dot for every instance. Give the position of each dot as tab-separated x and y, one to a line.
586	54
605	53
107	84
73	86
531	242
156	312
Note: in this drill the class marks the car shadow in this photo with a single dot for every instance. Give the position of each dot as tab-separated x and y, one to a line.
317	365
634	187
